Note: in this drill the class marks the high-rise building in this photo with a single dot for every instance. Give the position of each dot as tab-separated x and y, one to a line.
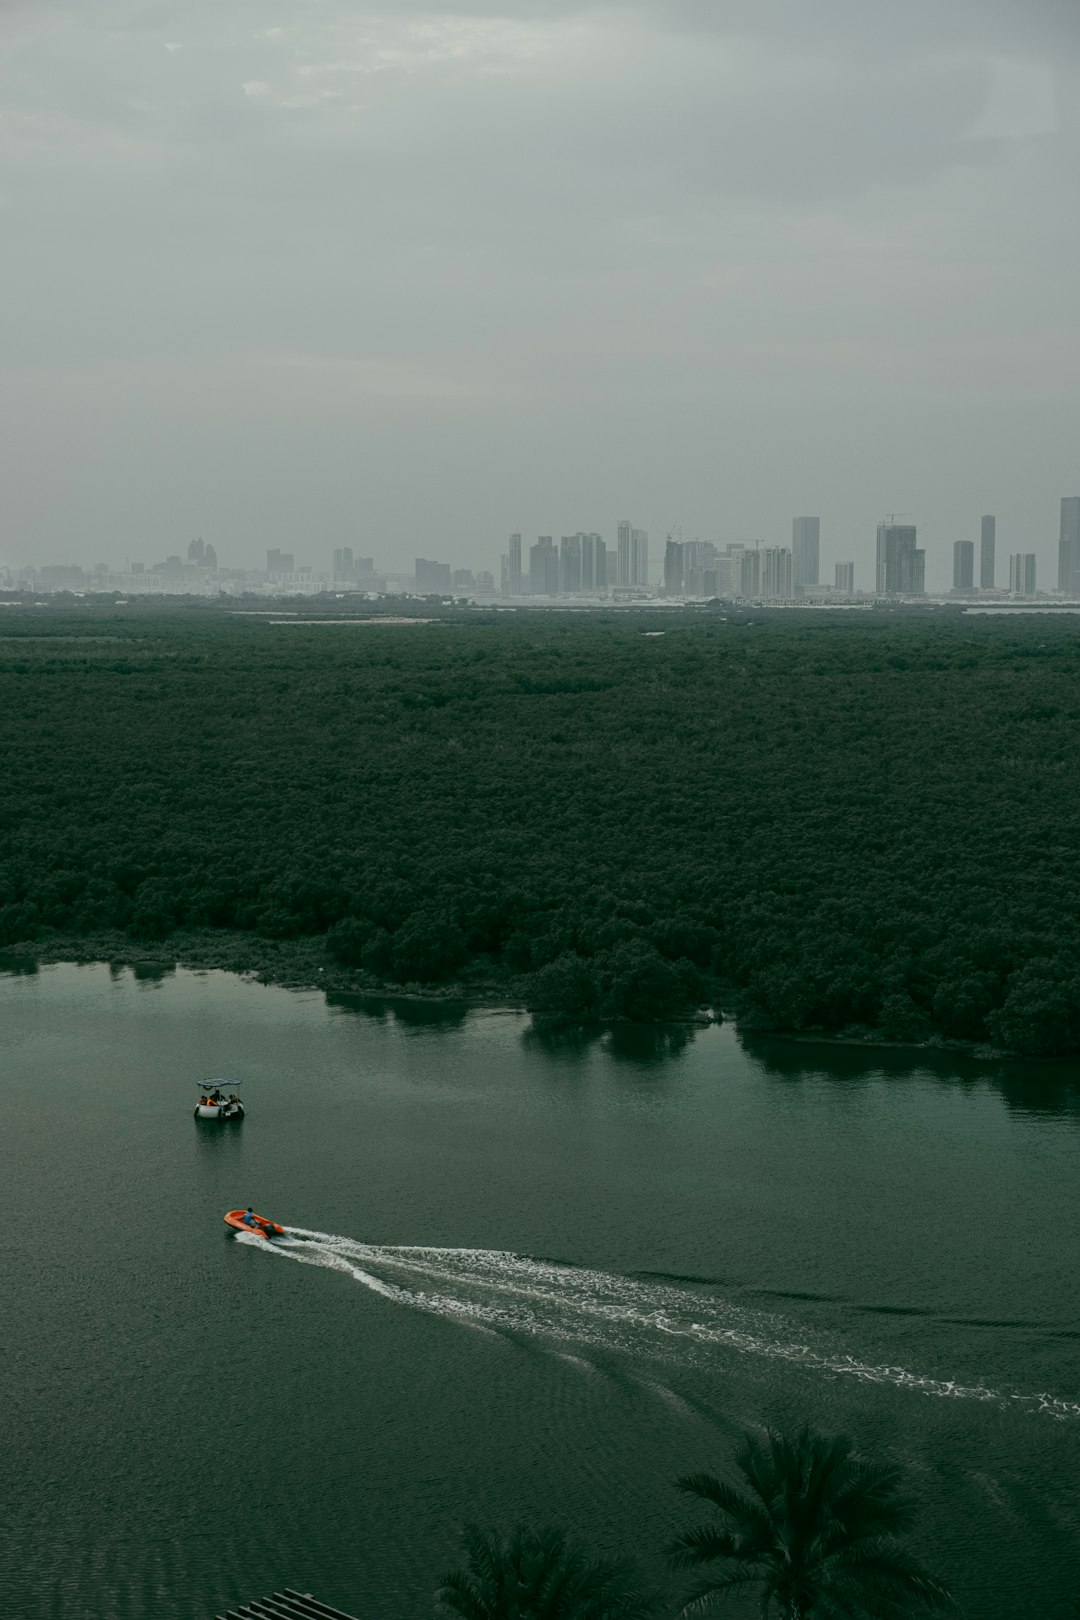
805	547
593	563
845	578
544	567
987	542
570	563
196	552
624	545
673	568
280	562
963	565
433	578
639	557
344	566
899	569
1069	546
750	571
513	569
777	573
1022	573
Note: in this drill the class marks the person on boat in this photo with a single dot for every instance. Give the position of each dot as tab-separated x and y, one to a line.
250	1218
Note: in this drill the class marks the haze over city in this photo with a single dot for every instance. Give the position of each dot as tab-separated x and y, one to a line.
319	278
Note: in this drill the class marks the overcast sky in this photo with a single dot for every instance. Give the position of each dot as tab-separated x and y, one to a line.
298	273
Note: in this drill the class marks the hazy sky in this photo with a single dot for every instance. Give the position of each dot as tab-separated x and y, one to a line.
304	274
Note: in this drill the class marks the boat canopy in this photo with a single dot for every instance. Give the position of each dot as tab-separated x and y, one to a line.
219	1085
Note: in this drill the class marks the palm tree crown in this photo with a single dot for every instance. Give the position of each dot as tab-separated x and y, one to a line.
816	1531
540	1575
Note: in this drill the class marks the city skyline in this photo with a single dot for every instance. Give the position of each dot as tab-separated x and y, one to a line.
848	313
820	551
582	565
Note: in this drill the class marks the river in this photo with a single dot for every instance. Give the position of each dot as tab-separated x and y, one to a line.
523	1279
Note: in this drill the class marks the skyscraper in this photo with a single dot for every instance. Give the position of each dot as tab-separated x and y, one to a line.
639	557
1069	546
963	565
570	563
986	553
805	545
624	545
1029	573
593	563
673	568
899	564
544	567
776	573
513	567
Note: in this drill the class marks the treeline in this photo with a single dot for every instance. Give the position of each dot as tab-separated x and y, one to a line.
856	822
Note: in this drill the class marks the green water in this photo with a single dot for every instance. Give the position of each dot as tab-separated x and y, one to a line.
534	1282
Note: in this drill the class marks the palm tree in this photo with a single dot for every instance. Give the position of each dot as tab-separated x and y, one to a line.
540	1575
816	1533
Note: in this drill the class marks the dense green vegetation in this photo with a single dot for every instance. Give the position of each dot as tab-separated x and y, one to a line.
858	822
812	1531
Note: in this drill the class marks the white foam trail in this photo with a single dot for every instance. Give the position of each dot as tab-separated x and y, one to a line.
495	1290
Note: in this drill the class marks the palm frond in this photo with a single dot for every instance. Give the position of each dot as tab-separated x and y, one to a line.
704	1543
746	1515
707	1593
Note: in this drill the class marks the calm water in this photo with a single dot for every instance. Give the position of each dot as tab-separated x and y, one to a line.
522	1281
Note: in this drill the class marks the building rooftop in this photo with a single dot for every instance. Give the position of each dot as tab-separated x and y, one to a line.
286	1605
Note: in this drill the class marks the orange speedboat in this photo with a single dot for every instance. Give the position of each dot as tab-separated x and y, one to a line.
246	1220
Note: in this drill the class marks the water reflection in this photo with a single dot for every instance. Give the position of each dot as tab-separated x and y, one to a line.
411	1013
643	1046
218	1140
18	966
647	1046
1025	1086
152	974
569	1045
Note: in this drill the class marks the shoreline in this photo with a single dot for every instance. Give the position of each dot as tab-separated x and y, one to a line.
302	964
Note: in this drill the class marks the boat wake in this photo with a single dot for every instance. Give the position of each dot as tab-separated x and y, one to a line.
508	1293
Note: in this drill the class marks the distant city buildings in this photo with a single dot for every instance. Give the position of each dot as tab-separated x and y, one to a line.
987	542
352	570
1069	546
593	563
582	566
513	576
777	573
632	555
963	565
805	545
901	566
1022	573
543	567
433	578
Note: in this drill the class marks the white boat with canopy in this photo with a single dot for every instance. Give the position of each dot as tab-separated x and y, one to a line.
218	1099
